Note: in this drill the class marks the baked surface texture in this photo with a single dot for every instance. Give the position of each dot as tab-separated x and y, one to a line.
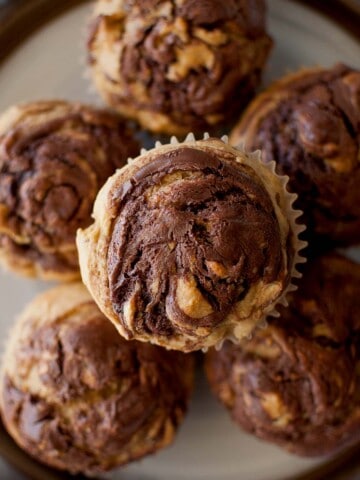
178	65
77	396
191	244
54	157
296	383
309	123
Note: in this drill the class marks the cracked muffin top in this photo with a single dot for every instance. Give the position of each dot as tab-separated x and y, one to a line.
296	383
309	123
77	396
178	65
191	243
54	157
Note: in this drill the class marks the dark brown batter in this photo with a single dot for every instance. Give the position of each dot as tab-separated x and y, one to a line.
297	382
314	136
100	394
235	38
49	179
214	226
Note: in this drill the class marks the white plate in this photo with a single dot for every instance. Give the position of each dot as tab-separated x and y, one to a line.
209	446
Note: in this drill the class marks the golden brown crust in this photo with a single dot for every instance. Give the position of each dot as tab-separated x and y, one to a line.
296	383
77	396
308	122
178	65
170	239
54	157
246	129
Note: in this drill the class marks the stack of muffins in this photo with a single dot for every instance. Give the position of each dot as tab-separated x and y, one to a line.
192	245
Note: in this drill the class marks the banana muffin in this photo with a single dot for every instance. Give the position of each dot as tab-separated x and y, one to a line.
192	243
309	123
78	397
177	66
297	383
54	157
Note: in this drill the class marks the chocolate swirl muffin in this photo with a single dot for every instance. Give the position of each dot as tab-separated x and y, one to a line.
309	123
178	65
54	157
78	397
297	382
191	244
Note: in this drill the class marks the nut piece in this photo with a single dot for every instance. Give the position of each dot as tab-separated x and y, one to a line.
274	406
190	300
178	66
297	383
54	157
77	397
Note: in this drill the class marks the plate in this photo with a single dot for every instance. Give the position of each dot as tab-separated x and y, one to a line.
49	64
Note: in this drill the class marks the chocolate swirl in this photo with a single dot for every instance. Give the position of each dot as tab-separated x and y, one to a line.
177	65
297	382
192	236
54	157
80	398
309	123
191	243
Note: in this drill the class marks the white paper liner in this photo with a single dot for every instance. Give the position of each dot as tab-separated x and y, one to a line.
291	214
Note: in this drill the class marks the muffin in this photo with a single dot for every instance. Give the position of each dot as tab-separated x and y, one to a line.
54	157
78	397
178	65
309	123
192	243
296	383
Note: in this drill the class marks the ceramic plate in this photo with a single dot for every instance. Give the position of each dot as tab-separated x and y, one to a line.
48	64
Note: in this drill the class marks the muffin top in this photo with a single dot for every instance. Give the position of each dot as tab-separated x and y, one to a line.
309	123
178	65
77	396
191	242
54	157
297	382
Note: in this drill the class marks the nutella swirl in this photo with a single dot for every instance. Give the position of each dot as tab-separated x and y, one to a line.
309	123
190	222
193	245
178	65
78	397
299	383
53	160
